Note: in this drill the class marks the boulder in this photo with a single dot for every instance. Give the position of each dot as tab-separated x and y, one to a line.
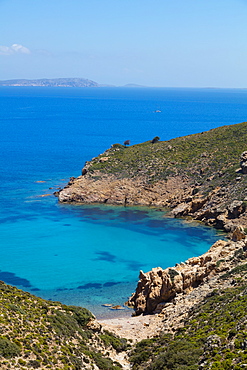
181	210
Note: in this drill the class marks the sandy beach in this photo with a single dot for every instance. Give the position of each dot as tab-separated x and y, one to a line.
135	328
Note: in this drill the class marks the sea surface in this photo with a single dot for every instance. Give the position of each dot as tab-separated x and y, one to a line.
91	255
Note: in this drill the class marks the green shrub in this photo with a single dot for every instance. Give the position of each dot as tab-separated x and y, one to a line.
8	349
119	344
182	354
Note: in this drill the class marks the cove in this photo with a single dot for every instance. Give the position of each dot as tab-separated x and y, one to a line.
90	255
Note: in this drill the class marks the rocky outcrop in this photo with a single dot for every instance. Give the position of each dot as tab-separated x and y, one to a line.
111	190
218	208
191	183
243	162
157	287
214	211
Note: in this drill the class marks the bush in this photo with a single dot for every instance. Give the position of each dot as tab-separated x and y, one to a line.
8	349
182	354
119	344
120	146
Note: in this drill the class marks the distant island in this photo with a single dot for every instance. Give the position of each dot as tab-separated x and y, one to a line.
59	82
53	82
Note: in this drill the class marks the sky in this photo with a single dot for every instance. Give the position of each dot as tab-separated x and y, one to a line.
163	43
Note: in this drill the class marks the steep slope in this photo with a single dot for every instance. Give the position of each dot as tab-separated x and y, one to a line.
36	333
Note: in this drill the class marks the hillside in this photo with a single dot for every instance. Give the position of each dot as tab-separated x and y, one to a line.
39	334
197	175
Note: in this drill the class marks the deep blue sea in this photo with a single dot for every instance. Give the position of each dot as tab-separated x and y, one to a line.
91	255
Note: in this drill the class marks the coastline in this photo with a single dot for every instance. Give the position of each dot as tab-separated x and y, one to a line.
157	175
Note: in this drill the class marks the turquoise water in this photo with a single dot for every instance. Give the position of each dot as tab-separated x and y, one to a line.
91	255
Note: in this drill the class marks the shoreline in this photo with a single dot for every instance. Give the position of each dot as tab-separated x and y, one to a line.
192	178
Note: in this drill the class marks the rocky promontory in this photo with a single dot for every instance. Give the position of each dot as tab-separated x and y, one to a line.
202	176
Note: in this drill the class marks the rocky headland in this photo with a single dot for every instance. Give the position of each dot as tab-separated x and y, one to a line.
201	176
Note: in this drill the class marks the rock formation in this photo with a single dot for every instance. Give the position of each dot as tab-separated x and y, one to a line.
112	190
157	287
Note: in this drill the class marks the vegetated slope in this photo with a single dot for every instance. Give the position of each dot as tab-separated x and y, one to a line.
36	333
198	157
214	335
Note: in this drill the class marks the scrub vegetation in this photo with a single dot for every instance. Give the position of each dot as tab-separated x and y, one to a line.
35	333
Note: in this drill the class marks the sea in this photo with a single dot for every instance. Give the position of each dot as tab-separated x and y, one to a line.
91	255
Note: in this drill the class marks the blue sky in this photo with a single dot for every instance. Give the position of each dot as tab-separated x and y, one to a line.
173	43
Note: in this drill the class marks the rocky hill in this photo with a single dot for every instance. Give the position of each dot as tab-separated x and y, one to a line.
211	336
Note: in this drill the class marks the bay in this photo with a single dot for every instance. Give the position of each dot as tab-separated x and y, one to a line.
90	255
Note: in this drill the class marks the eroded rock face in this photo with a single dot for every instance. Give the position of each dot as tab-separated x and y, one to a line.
160	286
111	190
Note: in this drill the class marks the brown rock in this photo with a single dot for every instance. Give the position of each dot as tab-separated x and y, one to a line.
157	287
238	234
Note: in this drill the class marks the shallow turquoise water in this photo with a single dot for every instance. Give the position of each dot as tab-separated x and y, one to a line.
91	255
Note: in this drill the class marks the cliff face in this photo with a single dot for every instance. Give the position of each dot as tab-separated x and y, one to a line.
112	190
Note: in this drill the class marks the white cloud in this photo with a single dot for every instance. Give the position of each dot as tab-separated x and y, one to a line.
14	49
